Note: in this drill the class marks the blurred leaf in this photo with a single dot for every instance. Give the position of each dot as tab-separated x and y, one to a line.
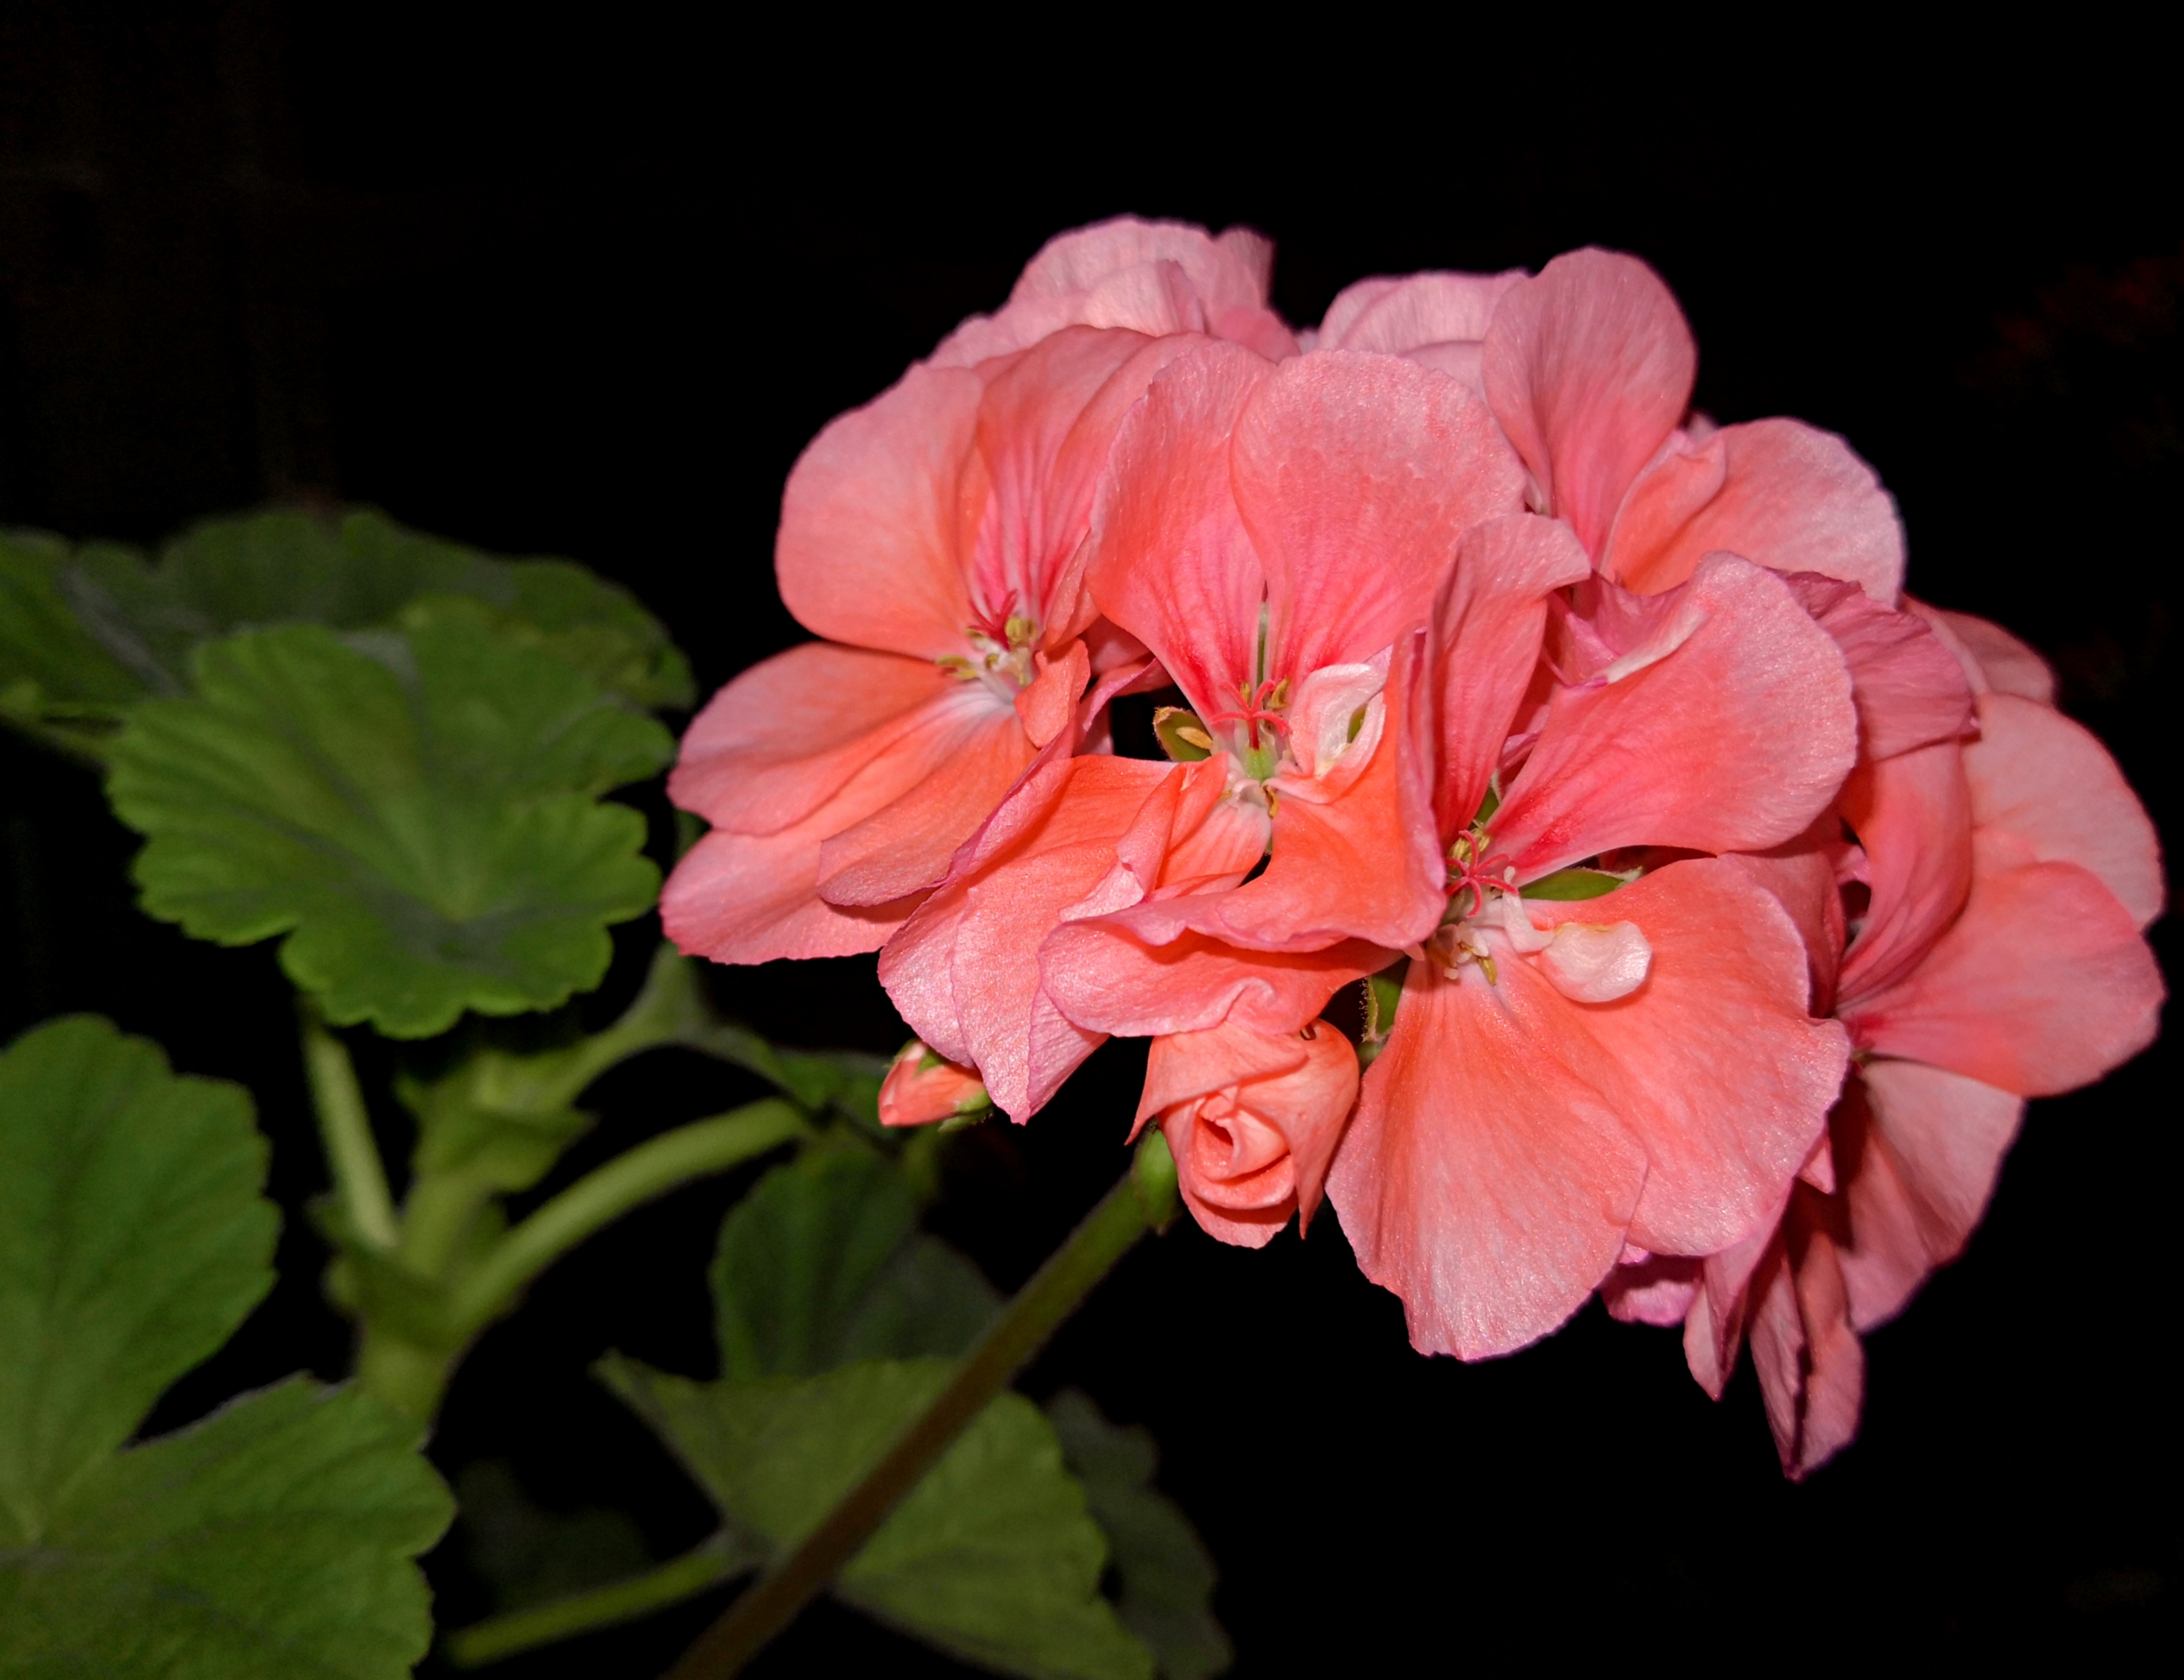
1166	1574
271	1542
528	1555
823	1263
52	671
132	1242
417	812
274	1538
991	1556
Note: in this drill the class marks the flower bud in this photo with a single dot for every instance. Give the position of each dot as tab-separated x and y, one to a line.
923	1086
1252	1120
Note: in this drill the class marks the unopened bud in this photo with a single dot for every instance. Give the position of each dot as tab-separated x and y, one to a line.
923	1086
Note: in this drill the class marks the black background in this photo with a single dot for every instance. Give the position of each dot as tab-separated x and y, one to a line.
587	286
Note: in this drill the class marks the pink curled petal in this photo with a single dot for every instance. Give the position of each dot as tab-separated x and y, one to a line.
1488	622
1910	689
867	549
1993	659
2042	985
1142	971
1356	476
2044	790
915	1094
1396	317
1246	1215
1730	1282
1049	705
1481	1180
1922	1147
1590	964
1658	1289
1181	1066
782	738
755	899
1734	742
1810	1363
1169	561
1912	815
1712	1065
1777	492
1588	369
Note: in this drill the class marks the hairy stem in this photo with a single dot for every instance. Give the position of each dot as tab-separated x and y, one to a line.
651	1169
345	1124
716	1560
1143	1198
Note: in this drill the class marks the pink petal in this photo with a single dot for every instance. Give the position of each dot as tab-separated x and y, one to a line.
1730	1282
1801	877
1733	740
783	737
1920	1149
1910	689
915	1093
1116	975
1588	368
755	899
1356	476
2042	985
1991	657
868	549
1656	1289
1169	561
1912	815
1488	622
1482	1180
1778	491
1436	319
1810	1363
1711	1066
2044	790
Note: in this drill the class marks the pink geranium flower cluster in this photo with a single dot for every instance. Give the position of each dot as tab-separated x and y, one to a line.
1738	901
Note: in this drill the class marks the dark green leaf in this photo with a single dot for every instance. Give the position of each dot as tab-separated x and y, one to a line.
991	1556
271	1542
1166	1574
132	1242
528	1555
52	669
821	1263
417	812
1571	885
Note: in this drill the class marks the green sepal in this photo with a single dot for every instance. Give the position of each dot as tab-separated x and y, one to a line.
418	813
1169	724
1569	886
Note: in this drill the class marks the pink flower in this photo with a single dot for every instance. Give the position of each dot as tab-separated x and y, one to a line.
2008	879
922	1086
1437	320
1589	368
1574	1077
1252	1120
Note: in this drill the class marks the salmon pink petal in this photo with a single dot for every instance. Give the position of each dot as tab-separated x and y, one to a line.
1910	689
1181	1066
1912	815
755	899
1919	1148
1142	971
1993	659
2042	985
2044	791
1398	317
783	737
1778	491
1652	1288
1712	1065
1732	739
1810	1363
1488	623
922	1087
1588	368
1801	876
1234	1200
1358	475
1730	1282
1482	1180
868	550
1169	559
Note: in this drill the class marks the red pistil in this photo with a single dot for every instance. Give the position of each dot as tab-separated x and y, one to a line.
1476	874
1254	711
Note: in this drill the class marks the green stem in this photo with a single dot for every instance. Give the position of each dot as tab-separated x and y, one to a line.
407	1376
651	1169
345	1125
501	1636
1145	1197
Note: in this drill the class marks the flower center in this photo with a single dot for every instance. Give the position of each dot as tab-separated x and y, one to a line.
1000	653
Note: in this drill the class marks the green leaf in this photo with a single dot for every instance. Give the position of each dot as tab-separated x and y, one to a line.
52	669
132	1242
992	1556
271	1542
530	1555
1166	1572
417	812
273	1539
1572	885
822	1263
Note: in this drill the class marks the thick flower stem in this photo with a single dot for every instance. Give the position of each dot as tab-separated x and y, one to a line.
601	1197
504	1636
345	1124
407	1376
1144	1197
